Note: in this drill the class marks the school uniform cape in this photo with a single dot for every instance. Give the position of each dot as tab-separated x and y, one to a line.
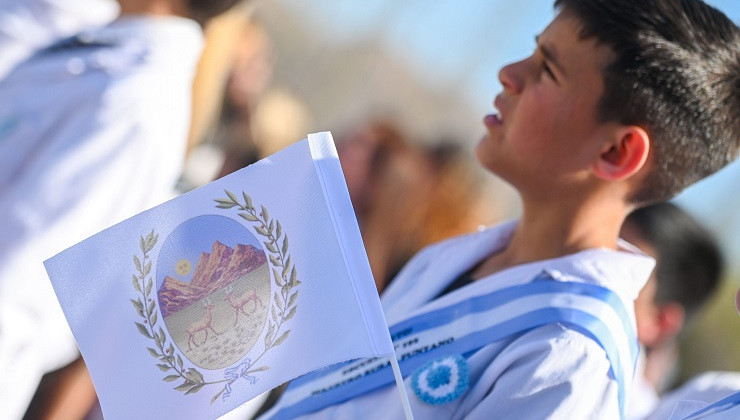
446	346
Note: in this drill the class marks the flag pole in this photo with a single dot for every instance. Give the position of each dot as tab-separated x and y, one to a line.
401	388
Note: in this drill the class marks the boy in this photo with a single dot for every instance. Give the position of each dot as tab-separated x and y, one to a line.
622	103
92	130
688	270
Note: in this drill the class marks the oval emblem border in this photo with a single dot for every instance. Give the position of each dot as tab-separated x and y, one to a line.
283	304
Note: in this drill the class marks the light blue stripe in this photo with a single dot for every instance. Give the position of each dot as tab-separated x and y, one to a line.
578	320
543	284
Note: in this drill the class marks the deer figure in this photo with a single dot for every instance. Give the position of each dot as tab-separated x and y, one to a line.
238	302
203	324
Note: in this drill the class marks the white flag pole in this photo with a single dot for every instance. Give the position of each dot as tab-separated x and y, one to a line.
401	388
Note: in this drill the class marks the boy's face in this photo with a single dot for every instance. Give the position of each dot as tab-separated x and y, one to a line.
546	133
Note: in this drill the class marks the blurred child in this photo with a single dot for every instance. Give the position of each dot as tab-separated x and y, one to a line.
387	179
688	270
407	196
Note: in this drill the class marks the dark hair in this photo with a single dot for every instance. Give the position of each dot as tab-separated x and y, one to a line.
676	73
203	10
689	260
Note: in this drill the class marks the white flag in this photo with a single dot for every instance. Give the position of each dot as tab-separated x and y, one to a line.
191	308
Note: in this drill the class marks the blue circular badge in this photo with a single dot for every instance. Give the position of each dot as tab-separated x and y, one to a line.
442	380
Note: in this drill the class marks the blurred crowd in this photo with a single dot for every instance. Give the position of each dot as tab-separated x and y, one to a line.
389	172
407	192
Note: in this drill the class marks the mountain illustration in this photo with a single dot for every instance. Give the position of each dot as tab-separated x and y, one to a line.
221	267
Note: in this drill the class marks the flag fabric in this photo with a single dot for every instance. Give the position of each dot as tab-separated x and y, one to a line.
192	308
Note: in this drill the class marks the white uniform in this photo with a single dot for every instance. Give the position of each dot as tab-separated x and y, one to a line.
29	25
92	130
725	409
703	389
644	398
548	372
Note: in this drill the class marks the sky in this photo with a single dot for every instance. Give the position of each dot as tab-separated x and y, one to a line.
449	41
462	44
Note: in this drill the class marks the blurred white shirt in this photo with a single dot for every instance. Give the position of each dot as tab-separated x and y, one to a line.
29	25
644	397
92	130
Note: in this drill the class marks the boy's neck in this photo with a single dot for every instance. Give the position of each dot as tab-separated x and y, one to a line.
153	7
551	231
660	363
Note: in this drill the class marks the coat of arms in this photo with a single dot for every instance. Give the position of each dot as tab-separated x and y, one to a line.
214	293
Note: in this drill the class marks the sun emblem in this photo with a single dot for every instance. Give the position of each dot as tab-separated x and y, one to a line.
183	267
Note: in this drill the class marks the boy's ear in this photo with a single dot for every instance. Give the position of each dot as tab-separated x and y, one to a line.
663	322
670	319
624	156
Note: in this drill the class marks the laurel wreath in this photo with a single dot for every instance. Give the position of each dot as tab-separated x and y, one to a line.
284	271
283	306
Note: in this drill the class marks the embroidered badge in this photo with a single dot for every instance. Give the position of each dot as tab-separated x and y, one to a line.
442	380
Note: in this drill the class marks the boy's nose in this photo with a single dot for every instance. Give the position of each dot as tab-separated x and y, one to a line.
510	76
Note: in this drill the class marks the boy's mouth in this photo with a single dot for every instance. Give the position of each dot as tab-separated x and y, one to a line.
496	119
492	120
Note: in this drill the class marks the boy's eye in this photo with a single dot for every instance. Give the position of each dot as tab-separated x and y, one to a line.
546	69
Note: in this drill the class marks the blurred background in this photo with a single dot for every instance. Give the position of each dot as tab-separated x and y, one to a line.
413	80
